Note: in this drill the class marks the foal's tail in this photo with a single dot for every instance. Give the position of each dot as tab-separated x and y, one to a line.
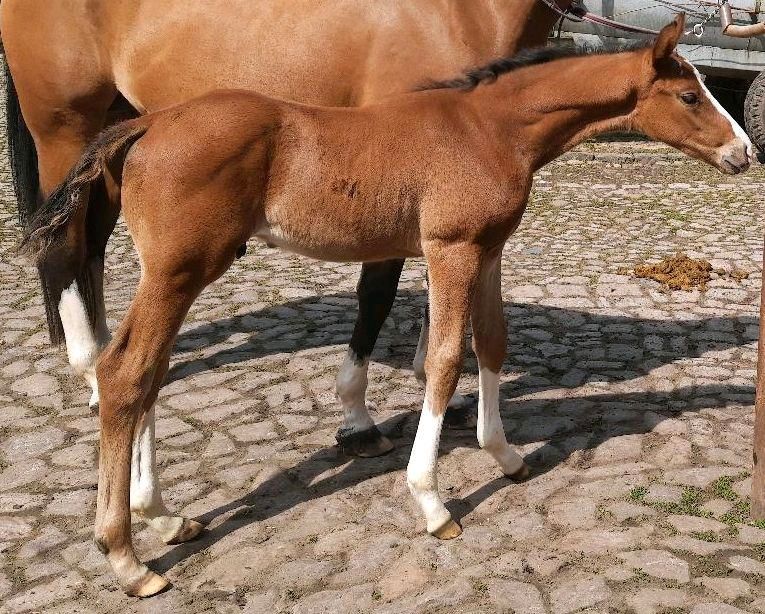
67	205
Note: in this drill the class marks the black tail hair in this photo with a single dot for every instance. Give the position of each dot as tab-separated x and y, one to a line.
22	154
46	233
48	228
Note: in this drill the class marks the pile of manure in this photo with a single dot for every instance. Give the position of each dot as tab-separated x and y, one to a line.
679	272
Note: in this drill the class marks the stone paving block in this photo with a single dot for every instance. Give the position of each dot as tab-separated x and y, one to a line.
658	563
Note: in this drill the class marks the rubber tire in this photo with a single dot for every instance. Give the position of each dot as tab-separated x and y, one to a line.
754	112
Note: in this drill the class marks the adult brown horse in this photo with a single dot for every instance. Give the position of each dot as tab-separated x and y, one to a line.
77	64
444	173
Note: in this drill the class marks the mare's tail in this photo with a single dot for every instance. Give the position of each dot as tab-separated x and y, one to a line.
56	234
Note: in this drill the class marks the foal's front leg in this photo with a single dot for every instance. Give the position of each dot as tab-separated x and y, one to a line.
456	412
489	345
453	272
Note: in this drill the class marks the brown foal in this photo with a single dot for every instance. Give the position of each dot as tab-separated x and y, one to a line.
443	173
76	65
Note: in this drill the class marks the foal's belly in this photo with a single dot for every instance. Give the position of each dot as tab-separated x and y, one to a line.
338	243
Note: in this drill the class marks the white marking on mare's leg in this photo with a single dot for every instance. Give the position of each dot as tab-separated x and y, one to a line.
358	435
145	492
352	390
421	471
491	433
81	345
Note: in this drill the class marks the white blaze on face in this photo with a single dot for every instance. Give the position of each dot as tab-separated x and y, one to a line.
81	345
738	131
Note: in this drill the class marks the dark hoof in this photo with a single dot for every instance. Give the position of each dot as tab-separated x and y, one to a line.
522	474
462	417
364	444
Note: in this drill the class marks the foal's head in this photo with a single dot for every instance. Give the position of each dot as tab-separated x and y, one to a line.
675	106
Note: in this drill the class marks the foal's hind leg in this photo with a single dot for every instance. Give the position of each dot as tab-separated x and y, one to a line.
127	371
489	344
145	492
376	291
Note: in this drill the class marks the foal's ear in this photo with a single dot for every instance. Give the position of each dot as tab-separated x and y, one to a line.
666	42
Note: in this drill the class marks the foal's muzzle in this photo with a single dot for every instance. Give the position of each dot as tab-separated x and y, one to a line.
735	157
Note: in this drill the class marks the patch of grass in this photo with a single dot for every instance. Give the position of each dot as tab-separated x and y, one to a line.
723	488
671	214
638	494
689	504
707	536
759	551
760	524
691	500
480	586
376	595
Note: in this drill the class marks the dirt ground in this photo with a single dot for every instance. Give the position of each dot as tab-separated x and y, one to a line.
633	405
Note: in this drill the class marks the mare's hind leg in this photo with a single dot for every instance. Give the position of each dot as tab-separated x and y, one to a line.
376	291
127	371
489	345
145	493
72	280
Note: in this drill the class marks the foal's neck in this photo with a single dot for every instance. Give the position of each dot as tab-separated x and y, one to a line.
543	111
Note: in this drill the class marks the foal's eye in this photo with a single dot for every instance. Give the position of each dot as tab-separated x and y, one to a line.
690	98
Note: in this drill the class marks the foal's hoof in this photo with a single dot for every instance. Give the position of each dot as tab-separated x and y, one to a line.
190	529
521	474
364	444
150	584
450	530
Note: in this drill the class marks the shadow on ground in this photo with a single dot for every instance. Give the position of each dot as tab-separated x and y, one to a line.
553	348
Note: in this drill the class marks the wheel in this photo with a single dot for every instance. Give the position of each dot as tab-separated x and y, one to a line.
754	113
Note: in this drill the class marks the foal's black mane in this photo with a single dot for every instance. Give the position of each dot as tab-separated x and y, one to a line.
489	73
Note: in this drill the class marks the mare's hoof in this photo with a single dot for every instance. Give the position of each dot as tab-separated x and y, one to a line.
450	530
521	474
462	415
190	529
364	444
150	584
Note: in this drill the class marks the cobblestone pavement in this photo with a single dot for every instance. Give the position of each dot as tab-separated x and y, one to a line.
633	406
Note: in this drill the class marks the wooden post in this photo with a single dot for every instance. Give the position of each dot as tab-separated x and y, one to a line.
758	454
